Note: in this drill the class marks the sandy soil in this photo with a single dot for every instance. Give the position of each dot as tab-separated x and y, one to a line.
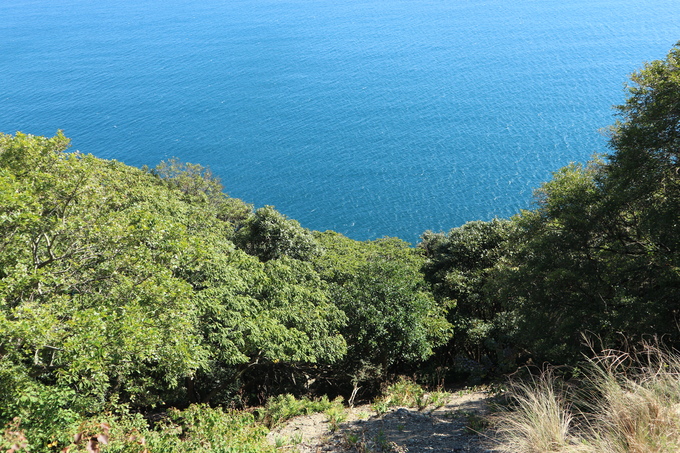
448	428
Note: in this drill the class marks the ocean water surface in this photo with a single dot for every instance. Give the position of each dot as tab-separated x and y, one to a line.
369	117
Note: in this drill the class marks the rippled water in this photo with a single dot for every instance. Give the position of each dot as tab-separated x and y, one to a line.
372	118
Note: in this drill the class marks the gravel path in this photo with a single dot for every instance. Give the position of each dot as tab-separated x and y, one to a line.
445	429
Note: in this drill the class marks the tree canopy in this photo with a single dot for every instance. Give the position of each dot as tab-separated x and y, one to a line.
126	290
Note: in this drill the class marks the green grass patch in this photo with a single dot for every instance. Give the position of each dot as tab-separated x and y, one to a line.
281	408
406	393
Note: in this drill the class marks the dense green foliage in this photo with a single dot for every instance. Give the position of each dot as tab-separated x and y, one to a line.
392	318
127	290
600	253
596	257
117	288
270	235
462	269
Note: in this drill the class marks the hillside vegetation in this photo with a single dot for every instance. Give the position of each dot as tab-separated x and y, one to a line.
126	293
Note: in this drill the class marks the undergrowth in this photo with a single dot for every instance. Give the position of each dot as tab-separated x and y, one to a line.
198	428
406	393
281	408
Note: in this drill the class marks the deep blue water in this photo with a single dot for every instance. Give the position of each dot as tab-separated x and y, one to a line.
368	117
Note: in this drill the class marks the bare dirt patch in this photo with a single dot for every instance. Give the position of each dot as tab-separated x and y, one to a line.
449	428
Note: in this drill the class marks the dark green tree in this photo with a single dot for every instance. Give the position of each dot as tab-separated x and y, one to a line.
392	318
200	185
461	268
270	235
559	276
599	255
642	182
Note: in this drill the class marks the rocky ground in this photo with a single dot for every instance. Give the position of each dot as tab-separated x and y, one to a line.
449	428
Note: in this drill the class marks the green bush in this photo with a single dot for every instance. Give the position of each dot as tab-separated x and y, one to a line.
284	407
407	393
199	428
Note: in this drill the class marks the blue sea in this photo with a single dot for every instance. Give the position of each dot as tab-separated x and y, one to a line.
369	117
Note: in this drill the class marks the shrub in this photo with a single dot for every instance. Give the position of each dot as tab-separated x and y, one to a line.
407	393
284	407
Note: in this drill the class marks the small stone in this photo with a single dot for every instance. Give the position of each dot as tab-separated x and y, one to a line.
401	412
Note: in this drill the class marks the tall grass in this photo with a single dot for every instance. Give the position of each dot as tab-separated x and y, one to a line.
541	419
626	403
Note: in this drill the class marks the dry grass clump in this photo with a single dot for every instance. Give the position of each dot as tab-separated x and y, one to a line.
627	403
540	420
